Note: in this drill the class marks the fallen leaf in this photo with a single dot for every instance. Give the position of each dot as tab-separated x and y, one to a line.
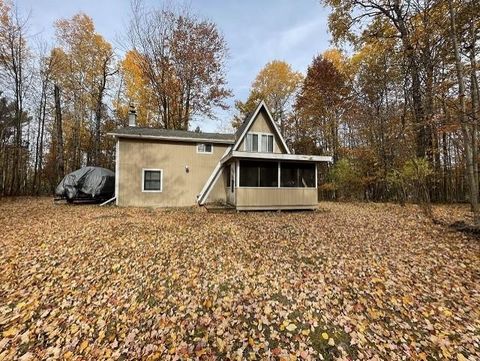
291	327
12	331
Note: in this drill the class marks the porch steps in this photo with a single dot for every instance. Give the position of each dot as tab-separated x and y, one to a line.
219	208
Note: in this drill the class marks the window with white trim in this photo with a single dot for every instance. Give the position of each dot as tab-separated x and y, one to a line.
267	143
251	143
205	148
152	180
258	142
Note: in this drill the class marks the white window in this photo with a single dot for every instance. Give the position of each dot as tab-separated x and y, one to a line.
251	144
258	142
204	148
267	143
152	180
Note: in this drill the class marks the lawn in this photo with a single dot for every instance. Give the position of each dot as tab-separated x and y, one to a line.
351	281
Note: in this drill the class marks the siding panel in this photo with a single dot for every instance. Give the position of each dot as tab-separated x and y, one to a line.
276	197
179	187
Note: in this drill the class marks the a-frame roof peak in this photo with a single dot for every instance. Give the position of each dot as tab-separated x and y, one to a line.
247	123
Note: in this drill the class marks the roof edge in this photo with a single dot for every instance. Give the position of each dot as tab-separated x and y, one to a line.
173	139
252	119
277	156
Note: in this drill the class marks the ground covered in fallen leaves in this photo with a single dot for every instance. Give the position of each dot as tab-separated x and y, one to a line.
351	281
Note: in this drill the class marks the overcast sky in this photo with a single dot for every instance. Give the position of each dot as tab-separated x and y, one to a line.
256	32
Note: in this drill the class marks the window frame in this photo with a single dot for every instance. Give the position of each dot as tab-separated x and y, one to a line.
268	137
205	144
246	142
143	180
259	142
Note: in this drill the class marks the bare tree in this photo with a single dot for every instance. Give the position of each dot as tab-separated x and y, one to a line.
468	134
182	60
60	163
44	81
106	73
14	57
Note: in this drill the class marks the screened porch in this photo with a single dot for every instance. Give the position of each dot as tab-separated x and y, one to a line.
271	184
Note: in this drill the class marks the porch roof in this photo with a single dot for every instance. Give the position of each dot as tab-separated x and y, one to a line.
275	156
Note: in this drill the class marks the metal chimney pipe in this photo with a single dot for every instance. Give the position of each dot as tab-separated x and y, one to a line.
132	116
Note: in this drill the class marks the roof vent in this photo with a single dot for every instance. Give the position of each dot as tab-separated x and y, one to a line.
132	116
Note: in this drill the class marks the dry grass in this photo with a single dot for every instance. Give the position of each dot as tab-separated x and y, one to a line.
351	281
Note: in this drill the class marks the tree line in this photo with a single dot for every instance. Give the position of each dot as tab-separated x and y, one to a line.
60	97
395	102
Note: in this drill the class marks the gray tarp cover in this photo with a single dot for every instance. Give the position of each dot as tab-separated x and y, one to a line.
96	182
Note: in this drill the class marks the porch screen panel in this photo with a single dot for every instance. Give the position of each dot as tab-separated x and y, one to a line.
258	174
307	175
298	175
248	174
268	174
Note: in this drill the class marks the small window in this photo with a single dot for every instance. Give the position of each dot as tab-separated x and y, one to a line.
251	144
267	143
152	180
204	148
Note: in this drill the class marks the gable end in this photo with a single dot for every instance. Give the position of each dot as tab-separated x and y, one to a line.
244	129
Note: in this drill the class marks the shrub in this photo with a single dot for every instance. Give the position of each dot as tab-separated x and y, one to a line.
346	179
411	182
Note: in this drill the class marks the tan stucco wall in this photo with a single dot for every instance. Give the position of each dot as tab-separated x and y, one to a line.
276	197
179	187
262	125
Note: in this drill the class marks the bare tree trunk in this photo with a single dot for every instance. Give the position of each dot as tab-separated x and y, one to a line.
13	60
98	115
446	172
474	96
467	133
99	105
40	160
42	109
413	70
60	165
98	121
76	135
418	110
39	142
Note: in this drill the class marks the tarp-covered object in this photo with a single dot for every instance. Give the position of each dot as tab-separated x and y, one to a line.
87	182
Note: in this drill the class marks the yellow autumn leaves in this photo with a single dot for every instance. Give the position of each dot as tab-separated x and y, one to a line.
159	285
12	331
289	326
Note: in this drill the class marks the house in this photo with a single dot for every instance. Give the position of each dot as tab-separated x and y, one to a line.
252	169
